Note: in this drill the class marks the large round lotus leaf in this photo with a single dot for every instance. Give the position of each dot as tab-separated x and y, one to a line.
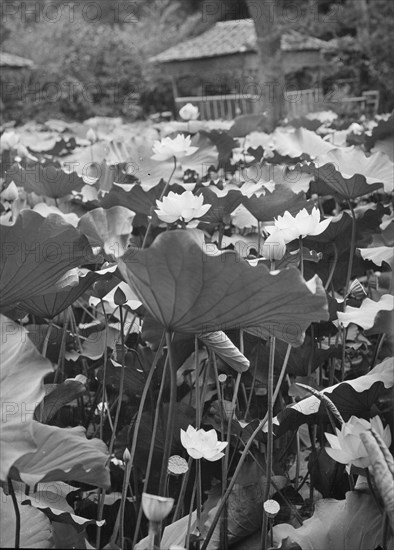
49	180
187	289
52	303
36	253
268	206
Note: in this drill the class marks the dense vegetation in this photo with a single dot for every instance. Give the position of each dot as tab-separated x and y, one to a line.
170	298
94	60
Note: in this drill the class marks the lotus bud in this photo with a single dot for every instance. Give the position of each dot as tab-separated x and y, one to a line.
119	297
126	455
91	135
189	112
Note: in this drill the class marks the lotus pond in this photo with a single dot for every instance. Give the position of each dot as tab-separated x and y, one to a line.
197	335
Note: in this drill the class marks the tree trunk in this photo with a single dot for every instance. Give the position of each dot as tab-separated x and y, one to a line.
363	34
271	79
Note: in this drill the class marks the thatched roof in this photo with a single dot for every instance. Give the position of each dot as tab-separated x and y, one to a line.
232	37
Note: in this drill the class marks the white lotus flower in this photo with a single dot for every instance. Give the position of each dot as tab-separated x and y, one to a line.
189	112
302	225
202	444
168	148
183	207
347	446
274	247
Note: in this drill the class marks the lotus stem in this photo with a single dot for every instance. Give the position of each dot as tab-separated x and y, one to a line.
154	535
138	421
182	492
249	402
270	438
59	370
301	257
121	383
170	419
187	541
258	238
197	388
17	514
229	418
352	250
378	347
103	400
100	507
220	237
343	357
244	455
220	401
151	449
122	505
332	268
199	496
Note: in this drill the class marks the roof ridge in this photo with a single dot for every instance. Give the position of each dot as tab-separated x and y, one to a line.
230	38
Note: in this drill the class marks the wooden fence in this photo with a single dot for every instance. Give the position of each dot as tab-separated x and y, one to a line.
297	103
223	106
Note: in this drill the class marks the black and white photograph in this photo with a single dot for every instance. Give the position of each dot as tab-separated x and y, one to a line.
196	274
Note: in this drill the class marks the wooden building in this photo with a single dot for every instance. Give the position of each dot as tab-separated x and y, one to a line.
218	70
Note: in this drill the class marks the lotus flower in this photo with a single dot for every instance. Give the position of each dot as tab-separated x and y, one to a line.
202	444
156	508
183	207
189	112
347	447
274	247
168	148
302	225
